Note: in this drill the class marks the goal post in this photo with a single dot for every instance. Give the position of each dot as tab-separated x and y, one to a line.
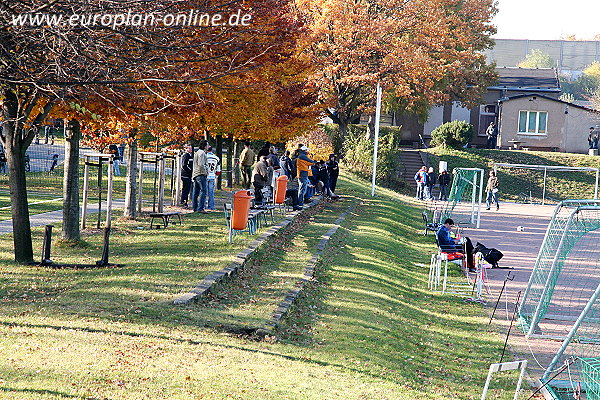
464	200
550	168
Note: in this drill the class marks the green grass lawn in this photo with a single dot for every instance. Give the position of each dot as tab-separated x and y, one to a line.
559	185
366	328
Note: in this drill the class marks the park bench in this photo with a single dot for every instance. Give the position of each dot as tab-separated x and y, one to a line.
166	218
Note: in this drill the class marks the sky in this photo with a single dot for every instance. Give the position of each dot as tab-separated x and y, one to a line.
547	19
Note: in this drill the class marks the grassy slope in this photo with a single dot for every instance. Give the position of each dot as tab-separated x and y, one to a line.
368	329
560	185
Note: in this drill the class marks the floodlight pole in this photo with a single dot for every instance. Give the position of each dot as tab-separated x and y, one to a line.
377	117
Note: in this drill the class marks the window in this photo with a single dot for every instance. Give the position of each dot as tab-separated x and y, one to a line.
533	122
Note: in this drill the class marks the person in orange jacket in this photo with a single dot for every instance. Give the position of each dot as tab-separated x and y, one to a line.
303	164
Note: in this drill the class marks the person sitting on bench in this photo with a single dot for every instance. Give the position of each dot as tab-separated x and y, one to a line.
448	244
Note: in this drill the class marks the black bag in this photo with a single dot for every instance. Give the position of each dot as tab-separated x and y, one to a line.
490	255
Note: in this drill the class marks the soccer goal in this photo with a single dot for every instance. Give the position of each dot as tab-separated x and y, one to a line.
464	201
540	183
562	299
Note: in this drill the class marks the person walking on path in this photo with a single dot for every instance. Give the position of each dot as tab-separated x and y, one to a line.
492	134
431	181
593	138
214	170
199	174
444	181
246	163
187	166
333	167
492	191
114	150
421	179
303	166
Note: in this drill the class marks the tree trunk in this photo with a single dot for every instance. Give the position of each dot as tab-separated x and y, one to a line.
236	166
131	180
70	227
447	112
15	148
230	162
219	152
370	127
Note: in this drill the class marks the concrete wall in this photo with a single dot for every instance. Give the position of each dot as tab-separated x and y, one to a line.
567	126
569	55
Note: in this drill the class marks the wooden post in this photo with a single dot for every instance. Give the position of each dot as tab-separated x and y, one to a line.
177	174
111	171
161	182
141	185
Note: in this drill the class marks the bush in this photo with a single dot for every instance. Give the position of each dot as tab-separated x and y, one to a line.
453	134
358	154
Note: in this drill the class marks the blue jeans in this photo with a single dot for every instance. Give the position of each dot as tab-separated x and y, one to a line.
302	186
492	198
210	185
199	189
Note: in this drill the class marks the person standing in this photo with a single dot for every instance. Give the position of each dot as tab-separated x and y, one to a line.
333	168
187	166
431	181
593	138
264	151
246	163
114	150
492	191
286	164
492	134
444	181
274	158
214	170
261	177
303	170
199	180
421	179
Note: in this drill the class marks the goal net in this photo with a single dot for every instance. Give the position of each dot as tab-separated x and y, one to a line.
464	200
545	183
562	299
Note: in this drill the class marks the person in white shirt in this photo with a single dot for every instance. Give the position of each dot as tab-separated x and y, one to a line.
214	170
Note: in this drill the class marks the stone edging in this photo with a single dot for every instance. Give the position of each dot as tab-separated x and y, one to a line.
284	307
239	262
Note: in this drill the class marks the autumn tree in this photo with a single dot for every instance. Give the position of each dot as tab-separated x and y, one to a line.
137	70
420	51
537	59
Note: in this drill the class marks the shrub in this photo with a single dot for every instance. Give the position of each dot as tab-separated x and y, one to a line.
358	154
453	134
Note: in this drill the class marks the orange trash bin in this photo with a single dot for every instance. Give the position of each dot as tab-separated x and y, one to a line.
241	208
281	189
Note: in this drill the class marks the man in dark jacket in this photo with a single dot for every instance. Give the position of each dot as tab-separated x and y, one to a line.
444	181
187	164
333	169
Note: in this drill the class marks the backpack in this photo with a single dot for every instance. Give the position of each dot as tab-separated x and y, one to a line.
492	256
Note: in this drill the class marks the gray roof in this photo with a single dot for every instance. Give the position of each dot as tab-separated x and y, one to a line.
528	79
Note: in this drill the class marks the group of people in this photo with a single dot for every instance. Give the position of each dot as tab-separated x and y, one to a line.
199	172
305	176
260	171
427	179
